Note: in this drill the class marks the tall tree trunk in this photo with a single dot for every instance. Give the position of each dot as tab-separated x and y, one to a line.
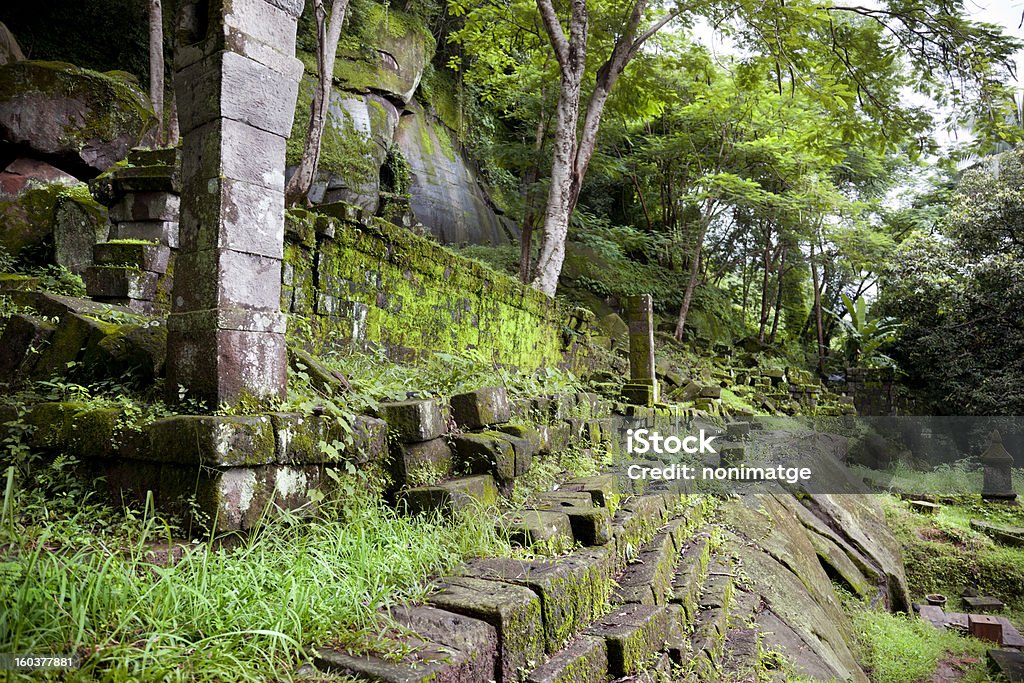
817	312
572	152
692	281
778	295
530	215
328	35
766	264
156	67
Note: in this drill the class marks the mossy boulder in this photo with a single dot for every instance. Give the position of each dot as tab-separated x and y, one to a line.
53	224
84	118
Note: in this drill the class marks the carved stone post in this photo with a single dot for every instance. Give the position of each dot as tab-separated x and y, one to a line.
998	465
642	387
236	80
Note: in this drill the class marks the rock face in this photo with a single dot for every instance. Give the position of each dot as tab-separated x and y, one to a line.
360	131
87	119
447	195
24	174
10	51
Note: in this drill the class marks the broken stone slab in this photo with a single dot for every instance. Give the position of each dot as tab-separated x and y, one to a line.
573	589
481	408
143	257
924	507
1006	535
486	453
458	494
590	525
1008	663
446	648
634	635
514	611
602	487
584	660
413	421
527	527
423	462
984	604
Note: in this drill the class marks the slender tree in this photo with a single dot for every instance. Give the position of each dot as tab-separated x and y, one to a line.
328	32
156	67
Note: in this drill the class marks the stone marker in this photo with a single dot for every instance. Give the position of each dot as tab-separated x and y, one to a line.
642	387
984	627
998	471
1009	663
236	81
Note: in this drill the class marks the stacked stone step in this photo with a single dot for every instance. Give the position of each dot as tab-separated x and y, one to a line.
541	620
133	268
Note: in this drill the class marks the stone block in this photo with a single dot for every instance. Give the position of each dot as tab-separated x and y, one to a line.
24	336
73	335
634	635
514	611
650	574
147	257
524	451
602	487
584	660
464	493
146	206
416	463
527	527
984	604
446	648
481	408
486	453
413	421
234	86
212	440
110	282
590	525
641	393
219	278
298	438
236	215
573	589
1008	663
640	320
711	392
531	433
232	150
163	232
220	365
985	627
145	179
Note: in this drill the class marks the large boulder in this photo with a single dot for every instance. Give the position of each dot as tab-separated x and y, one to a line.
53	224
24	174
360	131
10	51
447	193
392	65
86	119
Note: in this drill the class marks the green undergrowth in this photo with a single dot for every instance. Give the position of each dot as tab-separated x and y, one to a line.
964	477
76	580
944	555
896	648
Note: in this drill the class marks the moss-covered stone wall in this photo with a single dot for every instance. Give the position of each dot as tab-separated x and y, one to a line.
364	280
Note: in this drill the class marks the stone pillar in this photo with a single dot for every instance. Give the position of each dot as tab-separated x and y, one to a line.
642	387
998	465
236	81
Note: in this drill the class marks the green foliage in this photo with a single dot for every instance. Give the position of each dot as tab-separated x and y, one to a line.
866	336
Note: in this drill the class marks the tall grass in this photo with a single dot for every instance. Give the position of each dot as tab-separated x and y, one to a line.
251	613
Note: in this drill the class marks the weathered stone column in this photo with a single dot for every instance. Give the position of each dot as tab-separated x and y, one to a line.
998	464
642	387
236	80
